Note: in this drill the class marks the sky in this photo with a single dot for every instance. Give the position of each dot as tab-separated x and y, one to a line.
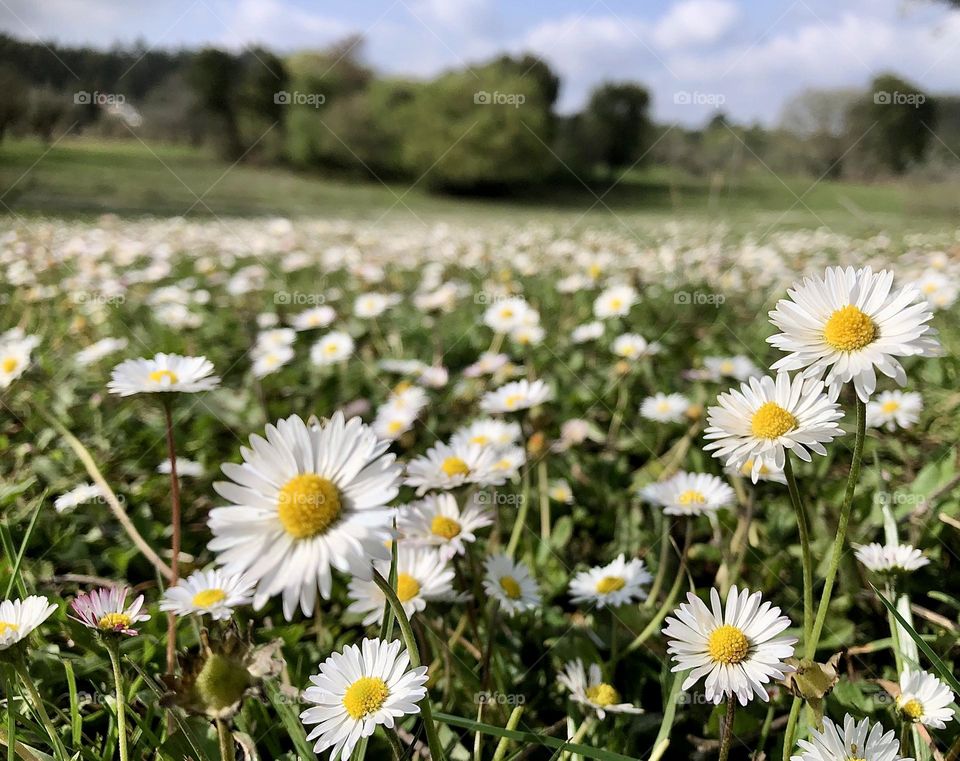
745	57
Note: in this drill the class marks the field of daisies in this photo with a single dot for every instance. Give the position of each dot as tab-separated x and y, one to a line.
295	490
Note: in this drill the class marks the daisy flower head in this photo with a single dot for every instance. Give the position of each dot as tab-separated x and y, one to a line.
589	689
422	575
617	583
768	416
487	364
737	646
489	432
890	558
924	699
106	611
849	324
15	349
315	317
392	422
78	495
510	584
185	467
163	373
358	689
615	301
505	315
767	472
370	305
665	408
20	617
690	494
894	409
438	521
559	491
738	367
633	346
268	360
98	350
208	593
334	347
854	740
306	499
515	396
589	331
447	466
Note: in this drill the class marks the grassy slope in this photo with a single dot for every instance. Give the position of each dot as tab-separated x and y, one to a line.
84	176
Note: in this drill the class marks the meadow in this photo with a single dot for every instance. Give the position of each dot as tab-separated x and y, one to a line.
526	441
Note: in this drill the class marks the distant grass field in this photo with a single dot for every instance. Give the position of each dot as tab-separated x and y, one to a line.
81	176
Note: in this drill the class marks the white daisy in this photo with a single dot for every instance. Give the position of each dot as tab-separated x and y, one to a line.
315	317
486	364
939	290
369	305
510	584
185	467
590	690
587	332
98	350
106	610
890	558
15	358
391	422
616	583
614	302
767	472
515	396
488	432
738	367
925	699
447	466
528	335
334	347
736	647
20	617
690	494
854	740
437	521
559	491
212	593
268	360
894	409
665	408
305	499
848	325
163	373
358	689
506	315
633	346
766	417
275	338
78	495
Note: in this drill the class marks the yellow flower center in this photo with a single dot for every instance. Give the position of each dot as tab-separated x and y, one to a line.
594	271
616	303
394	426
849	329
692	497
307	505
331	348
454	466
609	584
510	587
10	364
512	401
771	421
365	696
158	376
445	527
726	367
891	406
114	622
727	644
407	587
506	313
6	626
208	597
913	708
480	439
603	695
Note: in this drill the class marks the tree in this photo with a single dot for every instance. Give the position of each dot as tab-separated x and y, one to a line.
213	79
820	119
616	123
13	104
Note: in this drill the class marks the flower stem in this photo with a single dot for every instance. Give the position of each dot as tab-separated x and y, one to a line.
225	738
662	565
21	668
726	728
413	652
807	557
395	745
113	648
175	546
543	493
521	517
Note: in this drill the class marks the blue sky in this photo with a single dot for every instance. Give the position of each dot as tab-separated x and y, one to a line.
750	56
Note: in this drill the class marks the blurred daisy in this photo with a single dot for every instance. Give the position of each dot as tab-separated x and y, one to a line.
767	472
305	500
515	396
508	462
163	373
590	690
890	558
690	494
939	290
185	467
334	347
275	339
665	408
510	584
357	690
766	417
506	315
422	575
633	346
859	741
106	610
447	466
893	409
487	364
560	491
736	646
587	332
738	367
391	423
616	583
437	521
315	317
925	699
527	335
20	617
614	302
370	305
269	360
78	495
488	432
212	593
15	358
848	324
97	351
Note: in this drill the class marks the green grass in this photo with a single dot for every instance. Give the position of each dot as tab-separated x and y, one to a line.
80	176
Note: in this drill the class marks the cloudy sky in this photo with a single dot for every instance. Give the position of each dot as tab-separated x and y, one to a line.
749	55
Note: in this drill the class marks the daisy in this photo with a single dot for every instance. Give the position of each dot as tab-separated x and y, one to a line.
925	699
422	575
106	611
315	317
506	315
488	432
893	409
268	360
275	338
590	690
306	499
98	350
510	584
848	325
391	423
616	583
185	467
690	494
587	332
527	335
163	373
559	491
20	617
358	689
856	740
212	593
614	302
487	364
766	417
767	472
447	466
437	521
515	396
736	647
15	358
665	408
77	496
334	347
939	290
890	558
738	367
369	305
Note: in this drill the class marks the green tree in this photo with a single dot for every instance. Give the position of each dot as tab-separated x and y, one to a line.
13	104
616	123
213	77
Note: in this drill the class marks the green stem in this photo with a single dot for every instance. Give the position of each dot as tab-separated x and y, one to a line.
791	728
578	735
8	688
807	557
113	648
225	739
413	652
395	745
21	669
504	743
521	518
726	729
543	493
662	565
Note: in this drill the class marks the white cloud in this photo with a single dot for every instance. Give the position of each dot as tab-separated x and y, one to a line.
280	25
695	22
